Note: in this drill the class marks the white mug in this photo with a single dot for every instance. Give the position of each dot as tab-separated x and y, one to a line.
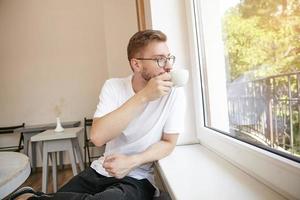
179	77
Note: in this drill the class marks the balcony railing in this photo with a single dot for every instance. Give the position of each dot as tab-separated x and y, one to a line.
267	110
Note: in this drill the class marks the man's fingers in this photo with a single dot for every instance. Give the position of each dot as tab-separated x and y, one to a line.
111	174
165	83
108	162
167	89
109	158
164	77
109	170
168	83
106	165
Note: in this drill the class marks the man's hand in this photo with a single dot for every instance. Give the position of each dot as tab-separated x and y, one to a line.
157	87
119	165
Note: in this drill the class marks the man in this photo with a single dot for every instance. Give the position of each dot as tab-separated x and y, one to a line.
138	118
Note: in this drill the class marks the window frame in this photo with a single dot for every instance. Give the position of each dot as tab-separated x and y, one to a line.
279	173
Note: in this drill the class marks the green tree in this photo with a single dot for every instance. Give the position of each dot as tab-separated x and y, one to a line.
262	36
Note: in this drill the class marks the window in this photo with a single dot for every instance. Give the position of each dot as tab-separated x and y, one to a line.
250	59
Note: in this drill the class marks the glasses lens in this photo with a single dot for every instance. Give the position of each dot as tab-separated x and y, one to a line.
171	60
162	62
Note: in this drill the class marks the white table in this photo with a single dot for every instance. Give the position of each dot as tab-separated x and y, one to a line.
56	142
14	170
31	130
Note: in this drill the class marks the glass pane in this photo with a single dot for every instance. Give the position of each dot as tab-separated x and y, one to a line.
251	61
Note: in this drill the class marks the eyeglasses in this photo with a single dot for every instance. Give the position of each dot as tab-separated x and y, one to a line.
161	61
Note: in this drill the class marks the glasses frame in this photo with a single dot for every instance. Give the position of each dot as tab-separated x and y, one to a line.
158	60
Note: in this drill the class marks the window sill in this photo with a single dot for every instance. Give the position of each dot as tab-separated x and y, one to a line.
277	172
194	172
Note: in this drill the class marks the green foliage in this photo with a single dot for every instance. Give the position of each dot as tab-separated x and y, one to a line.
262	36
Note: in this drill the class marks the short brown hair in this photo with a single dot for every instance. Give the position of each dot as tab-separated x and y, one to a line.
141	39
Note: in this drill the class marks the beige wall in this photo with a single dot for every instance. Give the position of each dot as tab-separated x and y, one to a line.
120	23
59	52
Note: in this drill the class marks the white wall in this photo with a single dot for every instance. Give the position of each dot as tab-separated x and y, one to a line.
169	16
215	59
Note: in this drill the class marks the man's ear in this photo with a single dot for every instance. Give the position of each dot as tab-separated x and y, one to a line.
135	65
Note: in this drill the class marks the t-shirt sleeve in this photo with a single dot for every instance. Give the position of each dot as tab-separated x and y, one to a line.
107	100
175	120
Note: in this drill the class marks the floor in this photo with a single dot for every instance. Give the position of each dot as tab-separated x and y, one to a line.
35	179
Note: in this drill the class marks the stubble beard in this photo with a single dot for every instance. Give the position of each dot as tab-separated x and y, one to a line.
146	75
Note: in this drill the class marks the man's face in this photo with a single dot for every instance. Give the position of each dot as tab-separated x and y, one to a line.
150	68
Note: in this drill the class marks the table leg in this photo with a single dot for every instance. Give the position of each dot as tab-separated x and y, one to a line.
40	146
78	153
45	168
54	171
72	158
33	155
26	149
61	159
26	142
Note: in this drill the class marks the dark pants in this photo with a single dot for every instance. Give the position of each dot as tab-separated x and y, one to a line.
91	185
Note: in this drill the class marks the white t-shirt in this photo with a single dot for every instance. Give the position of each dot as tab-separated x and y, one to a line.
164	115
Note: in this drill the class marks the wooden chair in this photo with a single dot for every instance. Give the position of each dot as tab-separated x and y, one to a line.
88	145
10	130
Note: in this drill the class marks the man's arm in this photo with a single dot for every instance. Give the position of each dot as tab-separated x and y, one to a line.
112	124
158	150
119	165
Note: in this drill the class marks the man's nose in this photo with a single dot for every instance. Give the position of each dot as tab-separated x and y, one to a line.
168	67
